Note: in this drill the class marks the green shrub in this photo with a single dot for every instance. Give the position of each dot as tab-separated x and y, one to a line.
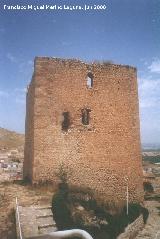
148	187
61	208
63	173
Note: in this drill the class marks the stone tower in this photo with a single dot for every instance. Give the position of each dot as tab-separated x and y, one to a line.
86	116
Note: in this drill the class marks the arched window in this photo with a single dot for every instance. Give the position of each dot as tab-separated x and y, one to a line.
90	80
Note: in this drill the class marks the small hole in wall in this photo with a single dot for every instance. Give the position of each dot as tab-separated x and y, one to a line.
90	80
66	121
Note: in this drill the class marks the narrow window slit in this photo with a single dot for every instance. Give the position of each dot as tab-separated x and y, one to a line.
85	116
66	121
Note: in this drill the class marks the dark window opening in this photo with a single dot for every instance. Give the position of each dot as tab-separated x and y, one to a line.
86	116
66	121
90	80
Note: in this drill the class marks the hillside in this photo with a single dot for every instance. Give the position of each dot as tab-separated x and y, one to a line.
10	139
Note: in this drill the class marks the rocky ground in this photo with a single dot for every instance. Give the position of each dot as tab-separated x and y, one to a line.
26	196
152	228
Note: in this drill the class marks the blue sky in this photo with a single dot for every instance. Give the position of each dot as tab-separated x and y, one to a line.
126	32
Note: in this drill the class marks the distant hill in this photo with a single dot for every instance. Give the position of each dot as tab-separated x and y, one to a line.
10	139
151	147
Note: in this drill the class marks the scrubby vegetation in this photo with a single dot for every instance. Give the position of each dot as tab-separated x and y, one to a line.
148	187
151	197
79	208
152	159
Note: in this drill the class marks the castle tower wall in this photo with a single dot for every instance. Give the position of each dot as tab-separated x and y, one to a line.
101	153
29	132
